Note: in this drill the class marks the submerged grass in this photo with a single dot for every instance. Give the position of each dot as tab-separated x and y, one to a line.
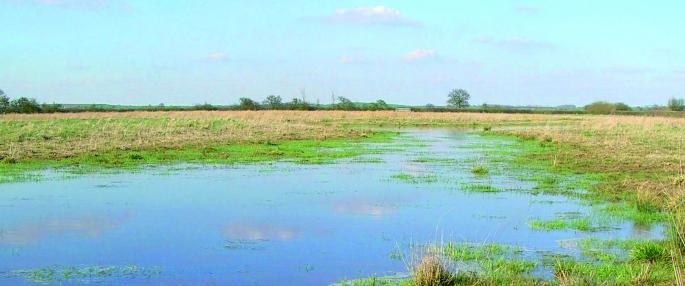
415	178
480	188
300	151
480	170
579	224
83	274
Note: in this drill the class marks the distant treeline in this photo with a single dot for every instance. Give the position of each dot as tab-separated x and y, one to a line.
273	102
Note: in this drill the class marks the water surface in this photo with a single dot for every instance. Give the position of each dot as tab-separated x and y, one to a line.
277	223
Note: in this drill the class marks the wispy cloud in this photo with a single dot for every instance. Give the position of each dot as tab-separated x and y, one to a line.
216	56
526	9
347	59
79	4
519	44
629	69
419	54
376	15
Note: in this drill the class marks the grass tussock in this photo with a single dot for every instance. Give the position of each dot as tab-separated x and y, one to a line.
480	170
431	271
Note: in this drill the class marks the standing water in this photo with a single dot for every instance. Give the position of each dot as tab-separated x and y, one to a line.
273	224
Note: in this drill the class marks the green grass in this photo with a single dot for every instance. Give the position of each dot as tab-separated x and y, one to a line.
498	264
573	272
299	151
622	250
585	224
630	211
415	179
479	188
480	170
376	281
465	251
435	160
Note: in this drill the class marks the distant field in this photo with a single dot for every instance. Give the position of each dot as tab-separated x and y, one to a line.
55	136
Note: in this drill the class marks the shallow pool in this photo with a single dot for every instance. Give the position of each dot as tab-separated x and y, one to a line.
273	224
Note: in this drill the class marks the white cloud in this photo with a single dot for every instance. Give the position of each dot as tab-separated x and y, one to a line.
371	15
347	59
526	9
81	4
521	44
217	56
629	69
419	54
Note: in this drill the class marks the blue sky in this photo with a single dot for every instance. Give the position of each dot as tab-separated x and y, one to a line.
412	52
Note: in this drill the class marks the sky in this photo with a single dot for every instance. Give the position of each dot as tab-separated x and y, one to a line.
409	52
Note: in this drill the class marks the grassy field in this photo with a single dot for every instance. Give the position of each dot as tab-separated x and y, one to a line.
640	160
58	136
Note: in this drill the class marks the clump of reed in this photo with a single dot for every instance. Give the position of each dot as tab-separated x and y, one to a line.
429	266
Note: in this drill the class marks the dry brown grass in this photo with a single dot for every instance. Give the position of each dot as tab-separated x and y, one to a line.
55	136
431	271
645	155
644	162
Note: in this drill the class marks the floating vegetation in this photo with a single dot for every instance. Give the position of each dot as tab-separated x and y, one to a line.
580	223
435	160
479	188
480	170
415	179
364	159
245	244
84	274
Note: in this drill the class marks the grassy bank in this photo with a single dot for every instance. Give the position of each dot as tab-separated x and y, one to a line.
638	163
60	136
86	141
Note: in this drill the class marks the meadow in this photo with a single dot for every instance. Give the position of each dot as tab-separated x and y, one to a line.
638	161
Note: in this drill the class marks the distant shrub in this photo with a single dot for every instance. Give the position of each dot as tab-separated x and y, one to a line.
51	108
248	104
205	106
379	105
24	105
4	102
676	104
273	102
620	106
299	104
601	107
345	104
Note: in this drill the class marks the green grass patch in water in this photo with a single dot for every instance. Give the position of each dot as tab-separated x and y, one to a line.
83	274
480	170
298	151
415	179
479	188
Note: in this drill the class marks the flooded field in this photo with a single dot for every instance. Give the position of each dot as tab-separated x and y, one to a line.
287	223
